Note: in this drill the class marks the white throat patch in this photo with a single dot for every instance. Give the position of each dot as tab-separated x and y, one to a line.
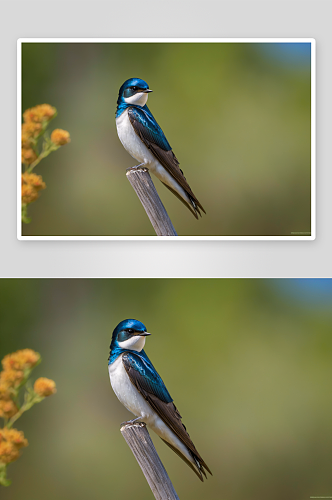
135	343
140	99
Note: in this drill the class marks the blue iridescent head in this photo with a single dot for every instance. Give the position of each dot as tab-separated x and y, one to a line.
129	334
133	86
134	92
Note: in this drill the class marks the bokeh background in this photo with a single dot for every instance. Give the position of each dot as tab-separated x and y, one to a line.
248	363
237	116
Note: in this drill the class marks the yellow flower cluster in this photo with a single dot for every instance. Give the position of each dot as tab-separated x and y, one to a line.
31	184
44	387
21	360
11	440
60	137
38	114
17	368
28	156
34	121
7	408
14	368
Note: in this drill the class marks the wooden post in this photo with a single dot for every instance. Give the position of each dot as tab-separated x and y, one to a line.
140	443
142	183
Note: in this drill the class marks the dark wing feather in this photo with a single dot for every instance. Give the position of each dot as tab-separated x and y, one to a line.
148	126
150	385
153	137
142	373
198	470
192	209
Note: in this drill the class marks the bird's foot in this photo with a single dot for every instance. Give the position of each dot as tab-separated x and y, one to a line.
137	167
131	422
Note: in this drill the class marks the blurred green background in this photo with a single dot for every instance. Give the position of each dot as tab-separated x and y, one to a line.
248	363
237	116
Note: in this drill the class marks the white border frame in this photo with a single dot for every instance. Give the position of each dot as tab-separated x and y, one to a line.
312	41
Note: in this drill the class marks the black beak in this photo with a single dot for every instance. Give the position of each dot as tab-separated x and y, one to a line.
147	91
144	334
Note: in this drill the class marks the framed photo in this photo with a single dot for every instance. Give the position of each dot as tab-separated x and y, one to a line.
238	116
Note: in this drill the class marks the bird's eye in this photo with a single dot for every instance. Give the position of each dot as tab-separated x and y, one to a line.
130	330
134	88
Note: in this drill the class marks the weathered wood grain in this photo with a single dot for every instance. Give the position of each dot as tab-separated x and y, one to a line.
142	183
140	443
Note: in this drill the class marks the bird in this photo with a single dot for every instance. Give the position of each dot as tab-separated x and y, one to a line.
141	390
145	141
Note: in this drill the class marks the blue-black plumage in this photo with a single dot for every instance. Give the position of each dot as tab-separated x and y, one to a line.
141	390
145	141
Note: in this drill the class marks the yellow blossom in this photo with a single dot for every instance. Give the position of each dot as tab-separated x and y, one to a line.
15	436
16	371
44	387
28	155
7	409
5	390
35	123
60	137
12	378
29	194
30	130
8	452
27	142
31	184
40	113
11	440
24	358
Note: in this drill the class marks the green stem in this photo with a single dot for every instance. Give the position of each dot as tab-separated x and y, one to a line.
30	400
25	217
16	416
3	475
26	375
42	155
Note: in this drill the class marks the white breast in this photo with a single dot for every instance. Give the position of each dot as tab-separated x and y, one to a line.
130	140
137	149
129	396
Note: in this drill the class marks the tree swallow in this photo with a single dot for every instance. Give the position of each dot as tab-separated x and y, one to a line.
144	140
141	390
